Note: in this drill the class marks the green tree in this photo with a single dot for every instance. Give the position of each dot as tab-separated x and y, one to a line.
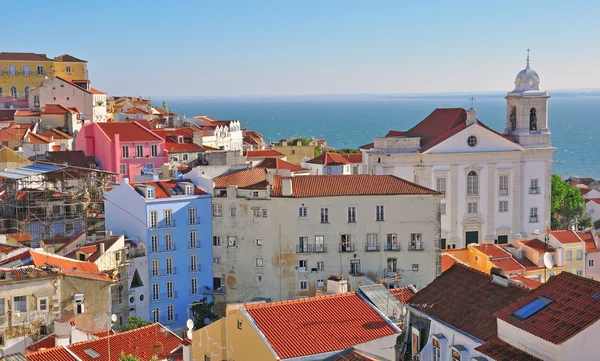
567	206
130	357
346	151
134	322
202	311
303	141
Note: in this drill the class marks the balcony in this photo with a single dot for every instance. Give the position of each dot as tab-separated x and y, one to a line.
311	248
163	249
534	190
167	224
163	272
503	192
347	247
193	221
372	247
195	268
209	291
416	247
392	247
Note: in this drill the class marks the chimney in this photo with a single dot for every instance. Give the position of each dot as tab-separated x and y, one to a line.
101	248
471	116
286	187
270	178
500	280
197	137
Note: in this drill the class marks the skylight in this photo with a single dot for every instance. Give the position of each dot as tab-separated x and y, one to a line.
532	308
91	353
596	296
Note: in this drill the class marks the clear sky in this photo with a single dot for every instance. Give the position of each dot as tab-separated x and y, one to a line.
286	47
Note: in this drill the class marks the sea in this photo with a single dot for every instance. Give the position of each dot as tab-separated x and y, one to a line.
349	121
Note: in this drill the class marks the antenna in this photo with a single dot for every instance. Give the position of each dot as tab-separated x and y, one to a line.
472	99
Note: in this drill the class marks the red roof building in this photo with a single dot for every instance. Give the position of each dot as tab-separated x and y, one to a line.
403	293
279	164
262	154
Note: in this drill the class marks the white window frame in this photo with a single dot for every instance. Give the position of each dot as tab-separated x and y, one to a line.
194	285
380	213
302	212
169	246
153	150
154	243
192	215
321	265
39	70
569	256
39	304
168	217
216	241
155	314
351	214
194	265
170	313
193	239
303	285
502	206
440	183
472	183
170	285
169	268
155	267
579	254
139	151
471	207
324	214
153	219
259	262
155	291
503	184
125	151
217	210
123	169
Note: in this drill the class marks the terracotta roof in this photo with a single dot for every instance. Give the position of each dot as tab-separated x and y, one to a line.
103	333
20	237
171	137
276	163
595	200
136	110
24	274
45	343
491	250
7	248
68	58
26	113
528	282
330	158
319	324
502	351
96	91
57	134
241	178
146	341
448	261
71	240
402	293
24	57
37	139
461	291
52	354
528	265
128	132
162	187
537	245
76	158
574	307
67	266
13	133
588	238
367	146
57	109
509	265
566	236
350	185
266	153
354	356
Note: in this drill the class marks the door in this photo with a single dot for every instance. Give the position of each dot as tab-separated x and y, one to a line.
443	243
355	266
502	239
472	237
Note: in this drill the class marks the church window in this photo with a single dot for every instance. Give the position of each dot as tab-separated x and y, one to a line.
533	119
472	183
472	141
513	118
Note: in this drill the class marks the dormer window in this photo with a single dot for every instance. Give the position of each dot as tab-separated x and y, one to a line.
150	193
180	139
189	190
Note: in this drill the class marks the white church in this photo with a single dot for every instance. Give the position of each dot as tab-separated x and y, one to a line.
496	186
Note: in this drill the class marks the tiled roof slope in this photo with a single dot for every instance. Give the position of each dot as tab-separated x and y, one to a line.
527	282
69	58
57	109
138	342
162	187
538	245
266	153
52	354
329	158
24	57
502	351
25	274
128	132
588	238
276	163
241	178
350	185
491	250
566	236
318	324
402	293
574	308
462	291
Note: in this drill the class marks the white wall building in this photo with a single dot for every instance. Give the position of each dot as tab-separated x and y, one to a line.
496	185
283	237
220	134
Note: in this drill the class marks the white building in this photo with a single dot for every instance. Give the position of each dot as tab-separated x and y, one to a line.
283	237
334	163
220	134
592	206
497	186
90	102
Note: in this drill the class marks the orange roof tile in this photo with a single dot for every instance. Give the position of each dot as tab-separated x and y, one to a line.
528	282
537	245
266	153
136	110
52	354
402	293
588	238
350	185
57	109
37	139
491	250
509	265
96	91
13	133
276	163
20	237
146	338
574	308
448	261
241	178
502	351
45	343
26	113
566	236
330	158
595	200
458	292
24	57
128	131
319	324
57	134
162	187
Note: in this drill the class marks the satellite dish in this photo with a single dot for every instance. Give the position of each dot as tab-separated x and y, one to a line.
398	312
189	324
536	232
548	262
113	317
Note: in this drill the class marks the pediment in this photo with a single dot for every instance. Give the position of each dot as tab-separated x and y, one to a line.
487	141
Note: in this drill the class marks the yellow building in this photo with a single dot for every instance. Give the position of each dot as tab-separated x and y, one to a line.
295	153
20	72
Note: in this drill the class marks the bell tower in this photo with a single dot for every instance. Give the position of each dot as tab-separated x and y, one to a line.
527	111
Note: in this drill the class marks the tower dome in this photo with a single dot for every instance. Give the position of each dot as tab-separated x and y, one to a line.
527	80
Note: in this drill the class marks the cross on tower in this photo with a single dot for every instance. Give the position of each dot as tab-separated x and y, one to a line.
528	58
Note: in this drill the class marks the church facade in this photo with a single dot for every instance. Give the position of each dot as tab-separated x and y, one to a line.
496	186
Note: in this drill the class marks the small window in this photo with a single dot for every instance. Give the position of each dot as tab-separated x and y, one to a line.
472	141
303	285
259	262
302	212
123	169
233	212
231	241
40	70
193	239
569	255
68	69
320	283
532	308
239	324
472	183
20	304
443	209
258	242
441	185
217	260
42	304
591	263
324	215
217	210
533	215
455	355
503	185
351	214
503	206
579	272
380	213
216	241
255	194
320	265
579	254
472	207
415	267
259	278
264	213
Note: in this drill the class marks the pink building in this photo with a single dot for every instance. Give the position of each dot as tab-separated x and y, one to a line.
123	147
592	254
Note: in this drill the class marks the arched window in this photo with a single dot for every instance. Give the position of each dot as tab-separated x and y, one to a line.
533	119
26	91
513	118
472	183
13	91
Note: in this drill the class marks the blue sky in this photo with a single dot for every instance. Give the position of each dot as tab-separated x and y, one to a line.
285	47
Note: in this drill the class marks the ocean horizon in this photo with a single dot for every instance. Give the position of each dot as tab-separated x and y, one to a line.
349	121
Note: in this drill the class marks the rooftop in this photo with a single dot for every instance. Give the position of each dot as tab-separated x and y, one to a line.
574	305
461	291
168	188
502	351
241	178
318	324
402	293
69	58
266	153
128	132
276	163
25	274
492	250
566	236
24	57
22	237
588	238
330	158
57	134
58	109
76	158
537	245
51	354
527	282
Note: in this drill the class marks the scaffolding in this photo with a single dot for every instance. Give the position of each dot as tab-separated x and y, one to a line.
46	200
